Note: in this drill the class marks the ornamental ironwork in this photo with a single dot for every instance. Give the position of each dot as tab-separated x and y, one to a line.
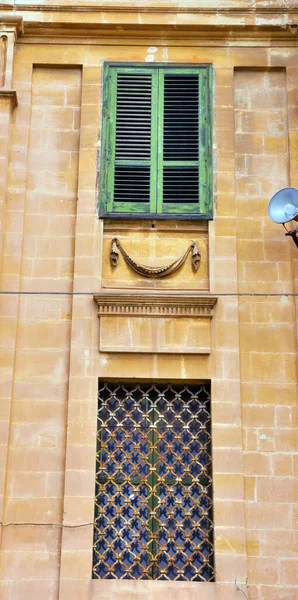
153	504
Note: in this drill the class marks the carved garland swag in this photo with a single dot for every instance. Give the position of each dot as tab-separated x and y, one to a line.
154	272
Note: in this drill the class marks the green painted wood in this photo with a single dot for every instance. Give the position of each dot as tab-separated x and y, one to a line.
103	181
209	122
112	78
156	208
206	203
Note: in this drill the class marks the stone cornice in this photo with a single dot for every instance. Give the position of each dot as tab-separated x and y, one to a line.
163	18
66	22
153	304
145	6
67	33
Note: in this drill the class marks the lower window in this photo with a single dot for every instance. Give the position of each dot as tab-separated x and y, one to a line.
153	499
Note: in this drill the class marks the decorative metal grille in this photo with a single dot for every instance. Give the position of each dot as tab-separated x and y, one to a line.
153	505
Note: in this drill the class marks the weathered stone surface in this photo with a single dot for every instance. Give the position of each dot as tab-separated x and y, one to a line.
53	244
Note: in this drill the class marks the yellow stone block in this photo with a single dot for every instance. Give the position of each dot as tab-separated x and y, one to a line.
144	334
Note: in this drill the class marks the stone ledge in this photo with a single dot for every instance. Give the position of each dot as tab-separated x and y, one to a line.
153	304
154	589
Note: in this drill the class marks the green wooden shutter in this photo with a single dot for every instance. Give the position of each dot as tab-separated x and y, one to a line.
129	185
157	142
183	156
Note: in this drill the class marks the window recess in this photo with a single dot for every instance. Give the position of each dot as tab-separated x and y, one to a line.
153	498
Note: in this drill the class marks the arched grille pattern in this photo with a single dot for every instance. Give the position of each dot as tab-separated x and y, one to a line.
153	506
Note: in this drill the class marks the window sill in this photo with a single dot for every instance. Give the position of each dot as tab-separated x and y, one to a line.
152	590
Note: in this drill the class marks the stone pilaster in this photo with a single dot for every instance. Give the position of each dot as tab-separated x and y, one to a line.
10	28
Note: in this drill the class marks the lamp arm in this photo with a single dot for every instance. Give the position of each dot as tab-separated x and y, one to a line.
293	235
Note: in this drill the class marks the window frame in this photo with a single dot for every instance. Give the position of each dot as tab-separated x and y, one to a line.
106	166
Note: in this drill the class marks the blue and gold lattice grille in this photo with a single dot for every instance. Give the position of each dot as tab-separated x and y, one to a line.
153	505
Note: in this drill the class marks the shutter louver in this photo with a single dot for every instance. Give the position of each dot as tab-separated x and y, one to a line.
132	184
133	117
180	184
133	140
181	117
181	125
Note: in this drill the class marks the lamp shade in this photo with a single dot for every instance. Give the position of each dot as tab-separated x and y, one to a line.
283	206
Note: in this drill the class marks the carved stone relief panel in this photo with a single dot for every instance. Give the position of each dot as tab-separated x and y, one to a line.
158	244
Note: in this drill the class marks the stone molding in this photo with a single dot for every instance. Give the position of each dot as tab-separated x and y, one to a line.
12	95
152	304
95	28
157	7
197	21
10	27
151	322
11	23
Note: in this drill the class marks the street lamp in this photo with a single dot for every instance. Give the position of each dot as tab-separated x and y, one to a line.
283	207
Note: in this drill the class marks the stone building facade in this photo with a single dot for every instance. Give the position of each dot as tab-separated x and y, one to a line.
231	324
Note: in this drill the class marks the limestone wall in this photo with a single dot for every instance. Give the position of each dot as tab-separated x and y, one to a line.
55	257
